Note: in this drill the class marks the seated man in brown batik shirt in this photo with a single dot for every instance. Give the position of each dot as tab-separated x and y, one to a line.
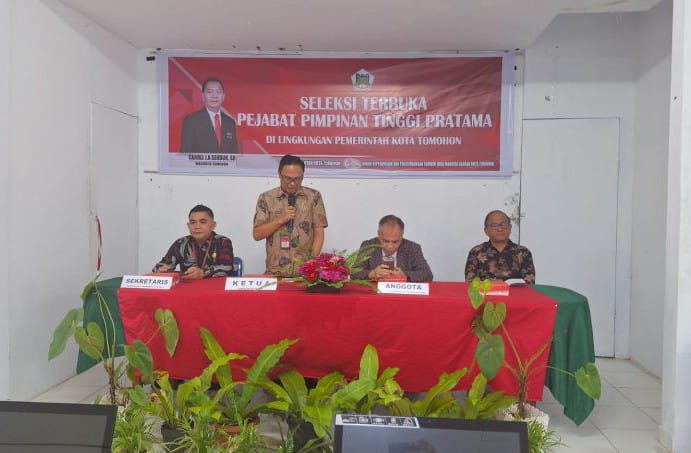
499	258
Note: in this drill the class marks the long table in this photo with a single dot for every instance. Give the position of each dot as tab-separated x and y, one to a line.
423	336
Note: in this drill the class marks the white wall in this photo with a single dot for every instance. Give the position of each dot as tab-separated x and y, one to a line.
444	215
675	431
59	64
582	66
650	185
5	127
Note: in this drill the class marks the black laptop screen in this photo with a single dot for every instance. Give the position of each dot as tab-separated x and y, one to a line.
55	427
384	434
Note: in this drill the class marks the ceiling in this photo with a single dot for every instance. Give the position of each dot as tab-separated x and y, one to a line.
330	25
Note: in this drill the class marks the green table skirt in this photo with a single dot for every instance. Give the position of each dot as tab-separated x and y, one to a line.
572	347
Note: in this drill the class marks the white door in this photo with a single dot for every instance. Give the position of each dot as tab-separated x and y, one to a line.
569	184
114	163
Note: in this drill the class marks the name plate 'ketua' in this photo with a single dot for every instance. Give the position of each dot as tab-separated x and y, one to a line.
418	289
251	283
146	282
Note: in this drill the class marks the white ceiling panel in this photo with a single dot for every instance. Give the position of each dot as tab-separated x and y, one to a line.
329	25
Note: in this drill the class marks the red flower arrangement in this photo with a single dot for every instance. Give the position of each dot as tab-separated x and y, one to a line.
332	269
326	268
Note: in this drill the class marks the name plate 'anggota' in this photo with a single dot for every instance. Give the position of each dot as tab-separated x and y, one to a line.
146	282
418	289
251	284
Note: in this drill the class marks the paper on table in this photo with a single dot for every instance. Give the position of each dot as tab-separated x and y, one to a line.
515	282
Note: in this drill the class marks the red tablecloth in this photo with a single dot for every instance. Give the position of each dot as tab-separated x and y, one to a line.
422	335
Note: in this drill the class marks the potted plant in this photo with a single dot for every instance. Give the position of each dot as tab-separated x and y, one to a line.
483	405
542	439
248	440
104	347
311	411
174	406
490	353
236	397
438	400
133	431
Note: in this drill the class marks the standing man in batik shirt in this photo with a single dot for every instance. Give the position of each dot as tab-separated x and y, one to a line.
203	253
291	218
499	258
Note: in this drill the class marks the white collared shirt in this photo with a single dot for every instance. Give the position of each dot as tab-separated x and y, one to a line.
395	257
212	115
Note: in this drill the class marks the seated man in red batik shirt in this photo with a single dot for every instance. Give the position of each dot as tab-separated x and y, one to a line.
203	253
499	258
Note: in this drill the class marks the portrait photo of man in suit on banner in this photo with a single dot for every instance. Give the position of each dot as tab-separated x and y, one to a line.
209	130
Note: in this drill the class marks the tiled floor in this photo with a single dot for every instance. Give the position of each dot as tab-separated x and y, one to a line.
625	420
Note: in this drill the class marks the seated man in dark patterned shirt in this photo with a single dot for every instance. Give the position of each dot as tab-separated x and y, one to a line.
499	258
203	253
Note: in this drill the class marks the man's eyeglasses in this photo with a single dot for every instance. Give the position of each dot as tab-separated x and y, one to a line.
496	226
289	180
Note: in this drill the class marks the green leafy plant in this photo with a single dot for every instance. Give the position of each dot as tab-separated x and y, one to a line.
247	441
194	399
490	353
133	431
541	439
480	404
236	399
438	400
310	411
175	406
101	346
199	436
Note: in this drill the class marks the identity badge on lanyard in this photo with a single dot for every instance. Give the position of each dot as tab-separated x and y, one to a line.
285	240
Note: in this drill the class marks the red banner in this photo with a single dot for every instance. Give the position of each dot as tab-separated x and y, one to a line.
343	116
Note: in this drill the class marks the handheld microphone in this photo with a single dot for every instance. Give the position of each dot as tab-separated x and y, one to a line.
291	202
